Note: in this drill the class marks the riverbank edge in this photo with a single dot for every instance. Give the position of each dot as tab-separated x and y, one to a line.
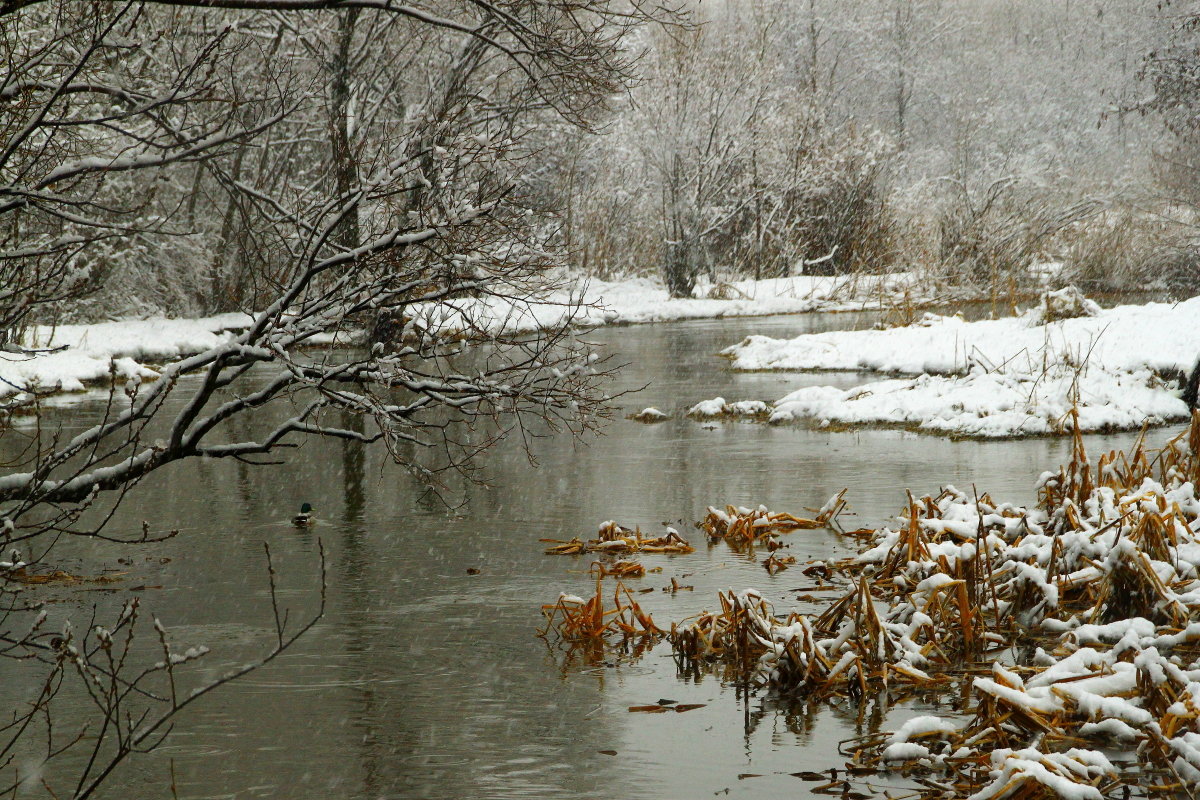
141	347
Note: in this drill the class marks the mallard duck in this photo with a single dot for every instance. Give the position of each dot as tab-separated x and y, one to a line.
305	518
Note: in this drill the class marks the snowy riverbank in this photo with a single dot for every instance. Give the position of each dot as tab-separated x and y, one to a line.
994	378
641	300
91	350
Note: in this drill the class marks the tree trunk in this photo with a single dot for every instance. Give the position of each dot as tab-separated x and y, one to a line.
345	170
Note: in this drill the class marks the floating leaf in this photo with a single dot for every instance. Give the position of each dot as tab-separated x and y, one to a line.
809	776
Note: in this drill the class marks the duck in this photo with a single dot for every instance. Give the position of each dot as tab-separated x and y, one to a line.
305	518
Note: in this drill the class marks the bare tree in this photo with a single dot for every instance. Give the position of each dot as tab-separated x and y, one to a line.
1172	71
740	174
427	228
358	191
133	704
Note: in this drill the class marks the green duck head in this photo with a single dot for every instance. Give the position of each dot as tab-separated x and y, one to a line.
306	508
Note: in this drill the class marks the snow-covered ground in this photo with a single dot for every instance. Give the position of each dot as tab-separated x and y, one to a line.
994	378
91	349
641	300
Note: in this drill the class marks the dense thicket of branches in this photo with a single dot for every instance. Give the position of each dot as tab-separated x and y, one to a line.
973	140
338	167
1172	71
773	137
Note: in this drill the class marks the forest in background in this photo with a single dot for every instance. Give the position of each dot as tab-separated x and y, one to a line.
970	141
973	142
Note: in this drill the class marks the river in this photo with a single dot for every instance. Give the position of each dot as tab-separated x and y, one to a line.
427	681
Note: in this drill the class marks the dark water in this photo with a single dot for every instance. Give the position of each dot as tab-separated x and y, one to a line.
424	681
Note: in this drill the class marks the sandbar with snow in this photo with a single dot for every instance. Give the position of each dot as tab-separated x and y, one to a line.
1118	369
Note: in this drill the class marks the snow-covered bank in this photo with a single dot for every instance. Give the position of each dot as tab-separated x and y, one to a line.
995	378
1158	336
91	349
641	300
993	404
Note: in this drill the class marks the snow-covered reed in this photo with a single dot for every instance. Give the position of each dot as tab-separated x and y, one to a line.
1067	628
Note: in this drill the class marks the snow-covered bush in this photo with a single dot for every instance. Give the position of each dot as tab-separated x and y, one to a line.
991	233
1066	303
719	166
1123	249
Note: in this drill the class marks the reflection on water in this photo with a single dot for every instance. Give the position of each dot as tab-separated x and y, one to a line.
424	681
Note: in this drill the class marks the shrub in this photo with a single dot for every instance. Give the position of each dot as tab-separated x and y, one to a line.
1123	249
992	234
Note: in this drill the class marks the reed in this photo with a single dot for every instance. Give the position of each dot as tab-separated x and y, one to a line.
575	619
746	526
1062	631
619	540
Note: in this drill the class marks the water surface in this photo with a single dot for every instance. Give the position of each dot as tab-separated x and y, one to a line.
424	681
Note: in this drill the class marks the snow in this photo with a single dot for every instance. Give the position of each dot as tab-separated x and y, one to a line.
1157	336
1114	728
91	348
643	300
595	302
994	378
1063	304
922	726
988	379
717	407
904	751
1055	771
990	404
708	408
